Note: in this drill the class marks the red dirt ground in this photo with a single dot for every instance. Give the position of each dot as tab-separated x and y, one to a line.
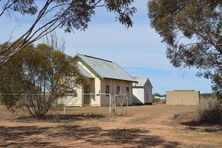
144	126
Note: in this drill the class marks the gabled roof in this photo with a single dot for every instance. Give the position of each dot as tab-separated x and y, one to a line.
84	72
104	69
141	81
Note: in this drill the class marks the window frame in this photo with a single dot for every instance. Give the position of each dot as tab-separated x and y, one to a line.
127	90
117	89
107	89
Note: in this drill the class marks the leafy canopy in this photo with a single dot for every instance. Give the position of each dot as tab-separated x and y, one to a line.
34	79
49	15
192	31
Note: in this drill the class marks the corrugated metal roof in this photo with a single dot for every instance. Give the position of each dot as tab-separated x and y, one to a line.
141	81
104	68
84	72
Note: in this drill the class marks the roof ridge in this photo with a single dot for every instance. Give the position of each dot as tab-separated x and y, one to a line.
140	77
95	58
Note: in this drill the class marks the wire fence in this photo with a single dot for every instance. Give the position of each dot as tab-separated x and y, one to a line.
117	104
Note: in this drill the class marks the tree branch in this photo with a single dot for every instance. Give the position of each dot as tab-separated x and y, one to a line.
7	6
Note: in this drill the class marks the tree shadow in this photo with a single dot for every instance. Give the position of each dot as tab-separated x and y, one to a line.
60	118
16	136
134	138
203	126
33	136
98	136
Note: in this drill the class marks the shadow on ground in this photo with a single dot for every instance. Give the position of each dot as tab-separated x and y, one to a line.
43	137
16	136
215	128
98	136
61	118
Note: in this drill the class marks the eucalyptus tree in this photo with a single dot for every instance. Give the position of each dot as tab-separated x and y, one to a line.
192	31
49	15
36	77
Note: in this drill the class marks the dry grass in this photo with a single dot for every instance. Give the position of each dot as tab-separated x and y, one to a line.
144	126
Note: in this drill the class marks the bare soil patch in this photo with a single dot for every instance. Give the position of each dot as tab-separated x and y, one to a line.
144	126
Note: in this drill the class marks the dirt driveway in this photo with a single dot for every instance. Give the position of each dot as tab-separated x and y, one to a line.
145	126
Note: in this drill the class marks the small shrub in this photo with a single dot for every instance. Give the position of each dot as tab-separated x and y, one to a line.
210	111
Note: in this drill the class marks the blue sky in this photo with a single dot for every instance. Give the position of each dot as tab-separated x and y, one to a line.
138	49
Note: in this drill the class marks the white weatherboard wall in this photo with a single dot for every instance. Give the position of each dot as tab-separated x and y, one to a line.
71	100
138	95
79	99
95	100
142	92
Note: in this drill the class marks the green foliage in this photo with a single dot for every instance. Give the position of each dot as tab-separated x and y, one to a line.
48	15
192	30
75	14
33	79
21	6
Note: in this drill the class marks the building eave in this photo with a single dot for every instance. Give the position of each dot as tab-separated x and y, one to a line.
91	69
